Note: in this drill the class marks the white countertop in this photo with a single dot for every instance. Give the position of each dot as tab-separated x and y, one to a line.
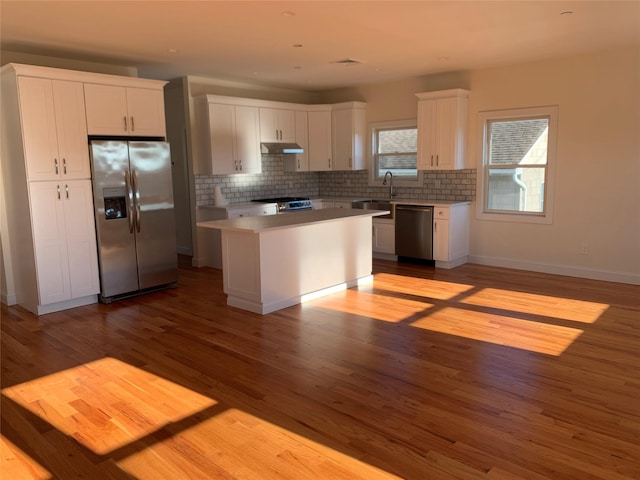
395	201
287	220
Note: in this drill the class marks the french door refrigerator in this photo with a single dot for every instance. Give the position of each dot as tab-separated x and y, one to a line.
135	224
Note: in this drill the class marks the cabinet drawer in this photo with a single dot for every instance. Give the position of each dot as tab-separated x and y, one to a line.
441	213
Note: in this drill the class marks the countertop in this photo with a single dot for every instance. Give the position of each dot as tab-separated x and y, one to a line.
287	220
434	203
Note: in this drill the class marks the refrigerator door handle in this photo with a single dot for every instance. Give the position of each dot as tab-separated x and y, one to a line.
130	198
136	189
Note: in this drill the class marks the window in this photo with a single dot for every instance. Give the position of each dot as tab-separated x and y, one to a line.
518	161
394	147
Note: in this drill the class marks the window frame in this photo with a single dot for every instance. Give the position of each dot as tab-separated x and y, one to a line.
374	127
546	216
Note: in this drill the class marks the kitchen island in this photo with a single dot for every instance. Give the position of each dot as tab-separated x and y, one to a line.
276	261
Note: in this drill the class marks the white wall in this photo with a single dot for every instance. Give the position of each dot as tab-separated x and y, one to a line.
597	195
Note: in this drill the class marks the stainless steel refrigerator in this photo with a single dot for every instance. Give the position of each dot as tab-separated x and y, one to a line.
133	201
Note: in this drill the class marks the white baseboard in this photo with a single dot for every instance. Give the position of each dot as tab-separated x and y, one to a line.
8	299
568	270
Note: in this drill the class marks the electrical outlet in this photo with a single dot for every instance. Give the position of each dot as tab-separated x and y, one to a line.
584	249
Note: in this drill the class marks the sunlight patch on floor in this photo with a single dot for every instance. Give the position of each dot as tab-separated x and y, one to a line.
500	330
422	287
374	305
546	305
249	447
16	464
107	404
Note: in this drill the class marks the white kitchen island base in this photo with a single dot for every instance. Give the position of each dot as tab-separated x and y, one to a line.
277	261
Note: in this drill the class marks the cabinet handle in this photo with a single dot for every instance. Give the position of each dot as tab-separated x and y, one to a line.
55	162
437	160
435	226
240	165
66	188
133	125
432	160
64	165
58	192
125	123
350	163
298	164
329	163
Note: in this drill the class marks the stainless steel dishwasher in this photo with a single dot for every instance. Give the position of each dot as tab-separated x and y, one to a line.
414	232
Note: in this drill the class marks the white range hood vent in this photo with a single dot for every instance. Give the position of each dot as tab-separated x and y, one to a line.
273	148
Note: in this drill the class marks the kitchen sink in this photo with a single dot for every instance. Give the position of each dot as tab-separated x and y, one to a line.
373	204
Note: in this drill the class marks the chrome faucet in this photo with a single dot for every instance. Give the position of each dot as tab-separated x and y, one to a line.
384	182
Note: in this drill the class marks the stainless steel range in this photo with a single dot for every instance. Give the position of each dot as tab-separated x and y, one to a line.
289	204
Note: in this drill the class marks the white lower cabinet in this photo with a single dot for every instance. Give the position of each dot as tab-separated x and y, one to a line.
451	235
384	236
64	241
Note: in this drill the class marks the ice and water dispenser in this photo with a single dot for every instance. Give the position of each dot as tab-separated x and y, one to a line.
115	205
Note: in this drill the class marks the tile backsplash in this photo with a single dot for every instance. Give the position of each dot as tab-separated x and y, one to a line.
275	182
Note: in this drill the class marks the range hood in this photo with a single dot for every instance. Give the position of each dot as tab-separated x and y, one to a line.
273	148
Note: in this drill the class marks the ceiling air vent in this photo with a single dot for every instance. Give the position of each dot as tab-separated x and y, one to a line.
347	61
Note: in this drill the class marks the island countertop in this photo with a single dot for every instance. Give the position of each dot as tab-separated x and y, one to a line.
287	220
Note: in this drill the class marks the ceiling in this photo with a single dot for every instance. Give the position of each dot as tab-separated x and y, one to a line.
312	45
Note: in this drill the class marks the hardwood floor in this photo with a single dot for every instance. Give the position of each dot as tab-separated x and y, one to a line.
473	373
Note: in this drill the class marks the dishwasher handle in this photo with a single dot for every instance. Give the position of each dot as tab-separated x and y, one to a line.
413	208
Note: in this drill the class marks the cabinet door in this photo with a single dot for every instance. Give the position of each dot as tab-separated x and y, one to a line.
299	162
106	107
221	142
248	156
342	138
446	134
80	238
145	108
269	125
39	128
441	240
287	125
54	129
71	125
427	134
50	246
277	125
320	141
384	237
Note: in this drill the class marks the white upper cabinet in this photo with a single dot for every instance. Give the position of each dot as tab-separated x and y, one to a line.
348	123
277	125
130	111
228	137
442	125
320	154
299	162
54	129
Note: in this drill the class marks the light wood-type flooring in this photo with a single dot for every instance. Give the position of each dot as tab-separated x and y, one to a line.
472	373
